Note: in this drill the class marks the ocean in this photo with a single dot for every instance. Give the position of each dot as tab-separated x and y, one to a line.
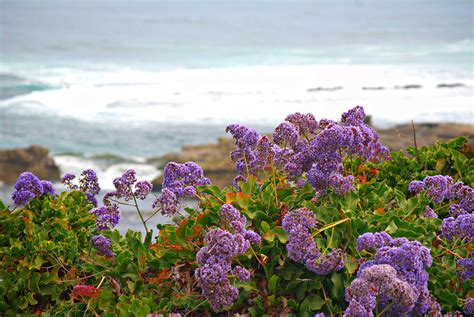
131	80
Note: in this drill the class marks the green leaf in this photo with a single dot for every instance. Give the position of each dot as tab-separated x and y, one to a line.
273	284
315	302
278	233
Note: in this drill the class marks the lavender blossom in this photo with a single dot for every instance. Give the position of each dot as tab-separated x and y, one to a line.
353	117
67	181
216	259
180	180
143	189
103	245
47	187
123	184
301	246
416	187
27	187
167	201
237	179
241	273
380	284
89	183
430	213
372	241
285	134
466	267
461	227
437	187
325	264
306	123
469	306
410	260
107	217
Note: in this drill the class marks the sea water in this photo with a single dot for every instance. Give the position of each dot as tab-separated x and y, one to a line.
137	79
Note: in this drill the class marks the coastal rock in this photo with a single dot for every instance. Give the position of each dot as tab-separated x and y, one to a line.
34	159
215	160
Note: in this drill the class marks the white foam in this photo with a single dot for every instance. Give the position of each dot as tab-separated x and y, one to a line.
263	94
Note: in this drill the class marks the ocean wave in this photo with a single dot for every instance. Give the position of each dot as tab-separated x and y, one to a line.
12	85
261	94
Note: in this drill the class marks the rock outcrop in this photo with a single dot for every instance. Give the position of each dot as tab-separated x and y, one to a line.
34	159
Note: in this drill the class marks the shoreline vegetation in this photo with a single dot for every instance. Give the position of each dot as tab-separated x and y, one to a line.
320	220
213	157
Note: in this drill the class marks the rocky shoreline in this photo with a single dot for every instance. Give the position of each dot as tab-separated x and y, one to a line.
214	157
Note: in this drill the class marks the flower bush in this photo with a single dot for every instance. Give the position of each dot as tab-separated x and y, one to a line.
320	220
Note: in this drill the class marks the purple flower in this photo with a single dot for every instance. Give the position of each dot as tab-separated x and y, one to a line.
143	189
456	210
103	245
92	199
370	241
167	201
241	273
21	198
437	187
430	213
466	267
27	187
89	183
306	123
461	227
354	116
123	184
325	264
469	306
285	134
107	217
180	180
229	214
47	187
379	285
410	260
67	180
416	187
216	259
301	246
237	179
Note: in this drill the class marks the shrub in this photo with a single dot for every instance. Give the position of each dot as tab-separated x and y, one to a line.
323	220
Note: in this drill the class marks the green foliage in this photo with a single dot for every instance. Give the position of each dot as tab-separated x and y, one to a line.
45	246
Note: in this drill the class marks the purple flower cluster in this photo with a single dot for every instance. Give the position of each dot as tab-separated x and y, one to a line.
126	187
409	259
216	259
308	149
103	245
380	285
469	306
107	217
88	184
372	241
28	186
180	180
429	212
439	188
466	267
254	152
461	227
301	246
